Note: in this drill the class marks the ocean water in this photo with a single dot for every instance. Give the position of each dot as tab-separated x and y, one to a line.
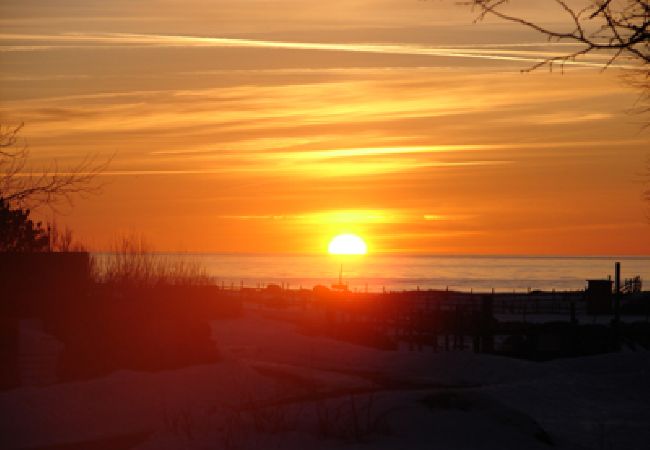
395	273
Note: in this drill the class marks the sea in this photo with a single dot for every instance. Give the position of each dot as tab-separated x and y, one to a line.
377	273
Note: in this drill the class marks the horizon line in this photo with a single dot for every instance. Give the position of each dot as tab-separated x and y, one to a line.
384	254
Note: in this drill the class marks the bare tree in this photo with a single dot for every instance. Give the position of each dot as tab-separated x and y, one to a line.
617	28
22	186
62	239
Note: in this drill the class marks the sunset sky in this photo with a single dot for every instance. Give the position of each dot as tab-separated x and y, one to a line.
271	126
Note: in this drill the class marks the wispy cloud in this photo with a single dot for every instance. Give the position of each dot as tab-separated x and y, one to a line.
391	118
352	216
568	117
482	51
380	123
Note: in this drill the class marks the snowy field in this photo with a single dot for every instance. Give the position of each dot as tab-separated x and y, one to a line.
276	388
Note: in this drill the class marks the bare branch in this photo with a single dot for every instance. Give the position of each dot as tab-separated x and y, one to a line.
621	27
23	187
8	141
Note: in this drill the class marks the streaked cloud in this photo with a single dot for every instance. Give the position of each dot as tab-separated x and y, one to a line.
496	53
351	216
568	117
400	121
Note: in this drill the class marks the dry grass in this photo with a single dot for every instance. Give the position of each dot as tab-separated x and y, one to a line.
133	262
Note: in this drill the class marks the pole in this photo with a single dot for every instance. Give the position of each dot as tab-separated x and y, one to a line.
617	291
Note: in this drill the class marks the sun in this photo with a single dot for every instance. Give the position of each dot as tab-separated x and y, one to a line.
347	244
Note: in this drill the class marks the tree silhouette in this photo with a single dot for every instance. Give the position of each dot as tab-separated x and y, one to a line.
18	233
21	186
22	189
618	27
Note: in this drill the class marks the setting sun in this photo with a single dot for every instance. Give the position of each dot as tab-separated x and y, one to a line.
347	244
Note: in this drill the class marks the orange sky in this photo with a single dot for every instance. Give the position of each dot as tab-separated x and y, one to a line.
260	126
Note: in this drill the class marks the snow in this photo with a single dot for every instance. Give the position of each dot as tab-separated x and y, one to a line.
279	388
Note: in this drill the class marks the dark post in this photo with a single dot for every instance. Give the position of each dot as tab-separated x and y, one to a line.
574	320
617	291
486	324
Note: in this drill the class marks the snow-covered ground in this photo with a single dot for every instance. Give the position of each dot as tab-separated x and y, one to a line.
279	389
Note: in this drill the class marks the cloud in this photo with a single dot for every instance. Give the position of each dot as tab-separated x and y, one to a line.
482	51
381	122
352	216
568	117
